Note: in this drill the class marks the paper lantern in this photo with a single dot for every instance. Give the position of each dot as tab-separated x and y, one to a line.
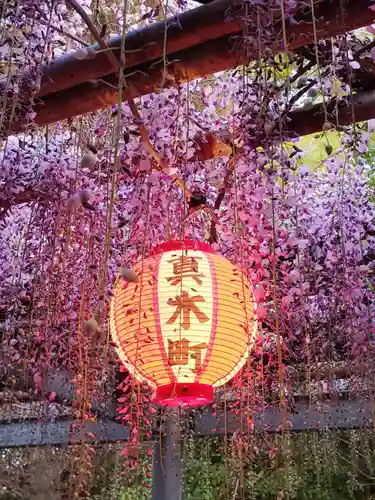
187	326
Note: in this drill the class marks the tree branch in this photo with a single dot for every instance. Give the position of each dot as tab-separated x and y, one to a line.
25	197
220	197
302	70
365	48
305	89
63	32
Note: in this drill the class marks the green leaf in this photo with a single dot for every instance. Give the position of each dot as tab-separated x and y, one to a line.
315	147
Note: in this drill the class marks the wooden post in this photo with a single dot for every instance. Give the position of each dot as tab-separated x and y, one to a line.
167	470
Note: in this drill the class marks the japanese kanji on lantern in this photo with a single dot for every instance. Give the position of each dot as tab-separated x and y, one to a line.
187	325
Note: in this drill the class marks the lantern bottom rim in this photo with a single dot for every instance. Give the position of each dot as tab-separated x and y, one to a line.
186	395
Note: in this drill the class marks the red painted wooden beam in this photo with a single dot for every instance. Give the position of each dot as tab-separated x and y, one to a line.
193	60
201	25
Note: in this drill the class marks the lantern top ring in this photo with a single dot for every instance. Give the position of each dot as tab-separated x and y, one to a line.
169	246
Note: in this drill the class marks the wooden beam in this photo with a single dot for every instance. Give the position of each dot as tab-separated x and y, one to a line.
59	433
309	120
333	415
357	108
200	25
142	80
191	28
199	59
304	417
302	122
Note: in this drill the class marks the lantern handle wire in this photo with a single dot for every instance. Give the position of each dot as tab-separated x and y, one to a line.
199	210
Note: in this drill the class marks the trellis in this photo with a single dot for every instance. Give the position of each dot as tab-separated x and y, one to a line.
167	464
199	43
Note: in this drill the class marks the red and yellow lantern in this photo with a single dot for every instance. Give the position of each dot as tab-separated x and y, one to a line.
187	325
